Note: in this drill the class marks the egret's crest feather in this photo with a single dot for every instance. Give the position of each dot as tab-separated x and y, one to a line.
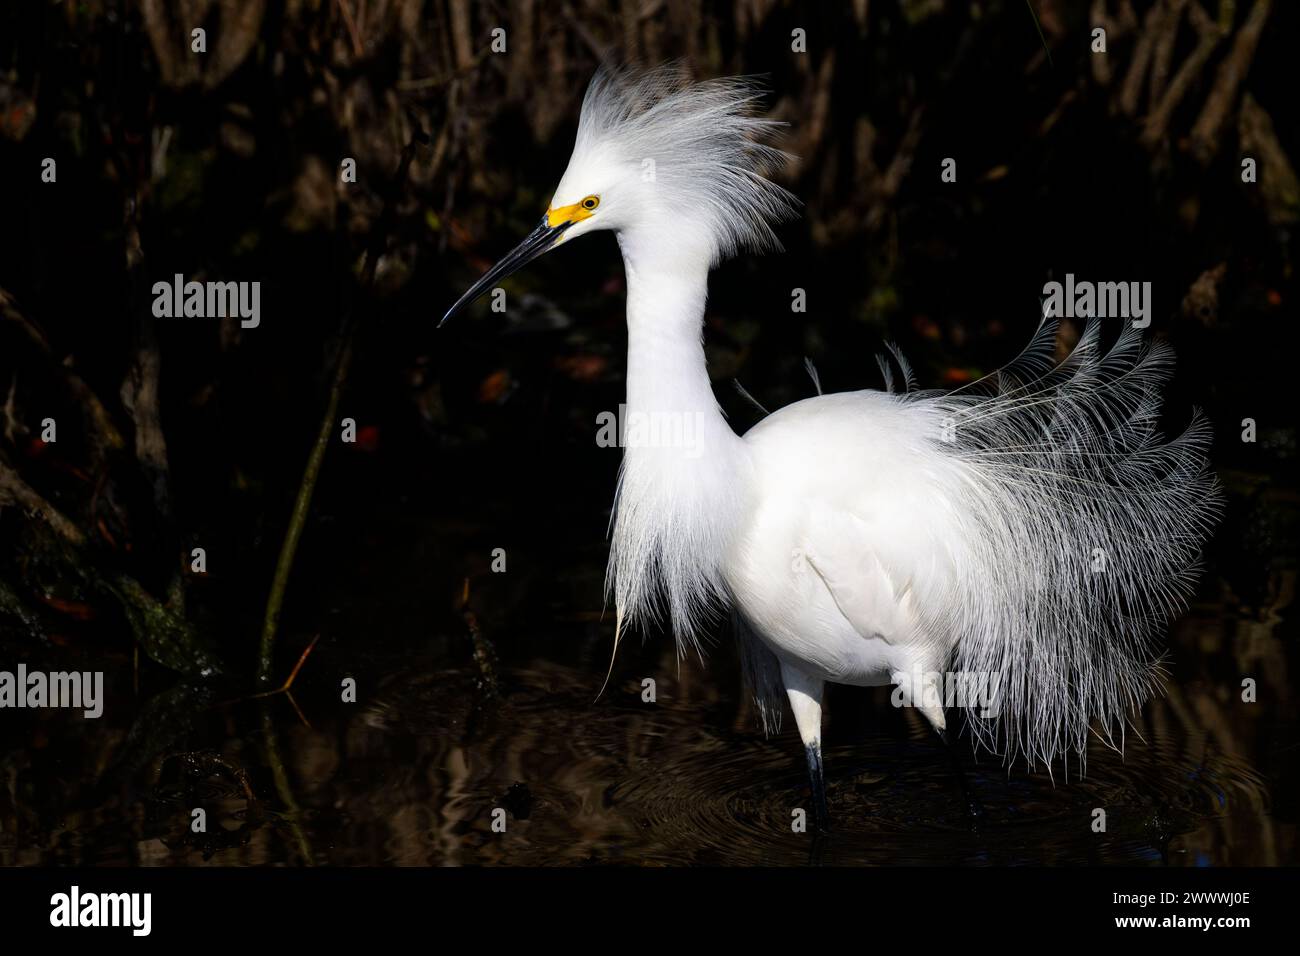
700	143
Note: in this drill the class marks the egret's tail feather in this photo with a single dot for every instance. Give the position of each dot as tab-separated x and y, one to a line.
904	366
886	373
1080	532
812	374
744	393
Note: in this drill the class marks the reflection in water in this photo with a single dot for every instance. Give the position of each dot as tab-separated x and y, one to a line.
411	774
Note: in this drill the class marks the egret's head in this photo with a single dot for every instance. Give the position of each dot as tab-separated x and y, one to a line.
661	159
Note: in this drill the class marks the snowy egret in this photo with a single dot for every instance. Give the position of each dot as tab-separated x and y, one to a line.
1031	532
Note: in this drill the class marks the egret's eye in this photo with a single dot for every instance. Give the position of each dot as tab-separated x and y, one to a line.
591	202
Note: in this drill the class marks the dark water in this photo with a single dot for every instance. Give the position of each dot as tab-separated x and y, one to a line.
444	731
411	773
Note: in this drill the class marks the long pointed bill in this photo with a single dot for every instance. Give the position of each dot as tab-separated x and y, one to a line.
539	241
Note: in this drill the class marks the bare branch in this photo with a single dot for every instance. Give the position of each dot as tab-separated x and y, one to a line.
1232	71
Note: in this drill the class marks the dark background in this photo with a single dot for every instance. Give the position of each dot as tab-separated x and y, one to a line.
224	165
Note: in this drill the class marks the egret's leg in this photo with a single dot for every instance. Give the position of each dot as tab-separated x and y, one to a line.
920	689
970	803
805	693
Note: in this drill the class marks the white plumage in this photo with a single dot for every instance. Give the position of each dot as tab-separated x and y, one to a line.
1032	529
688	158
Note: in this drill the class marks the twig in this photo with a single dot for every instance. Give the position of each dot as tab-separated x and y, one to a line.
357	48
15	491
1227	81
285	687
483	654
166	637
1153	25
297	710
283	788
433	82
598	49
1164	51
1157	121
12	425
99	421
141	389
302	504
462	44
1117	26
1039	27
140	397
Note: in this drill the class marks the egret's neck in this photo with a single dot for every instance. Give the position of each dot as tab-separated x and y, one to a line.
685	472
666	371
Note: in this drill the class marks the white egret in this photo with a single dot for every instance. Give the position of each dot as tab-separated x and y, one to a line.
1032	532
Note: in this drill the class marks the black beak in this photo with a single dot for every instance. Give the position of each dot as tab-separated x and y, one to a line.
539	241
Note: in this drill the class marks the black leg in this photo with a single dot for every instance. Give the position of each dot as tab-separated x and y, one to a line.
817	848
821	817
970	803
